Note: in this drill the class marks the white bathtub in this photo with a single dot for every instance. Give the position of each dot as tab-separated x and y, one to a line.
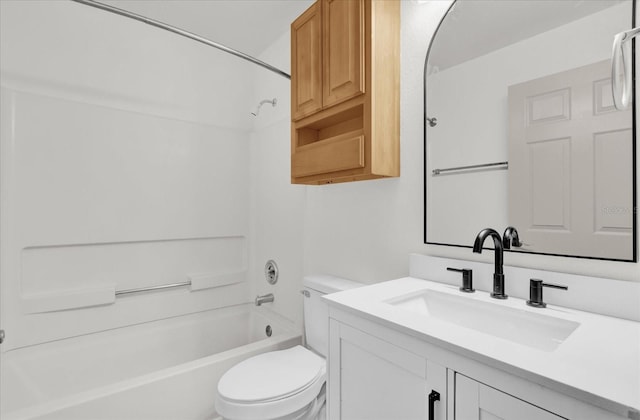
166	369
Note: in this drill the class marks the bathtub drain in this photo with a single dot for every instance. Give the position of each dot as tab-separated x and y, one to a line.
268	331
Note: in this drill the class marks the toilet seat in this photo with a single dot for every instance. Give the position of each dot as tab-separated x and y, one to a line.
271	385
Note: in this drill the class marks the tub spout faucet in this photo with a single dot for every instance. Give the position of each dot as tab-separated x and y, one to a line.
264	299
498	275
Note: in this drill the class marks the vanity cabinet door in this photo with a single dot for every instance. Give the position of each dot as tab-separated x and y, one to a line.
372	379
476	401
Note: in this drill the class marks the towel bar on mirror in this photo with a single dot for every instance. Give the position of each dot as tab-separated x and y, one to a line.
496	165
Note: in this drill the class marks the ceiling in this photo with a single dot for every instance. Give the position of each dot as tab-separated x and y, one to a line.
510	22
249	26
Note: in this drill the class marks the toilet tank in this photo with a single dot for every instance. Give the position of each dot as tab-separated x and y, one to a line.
316	309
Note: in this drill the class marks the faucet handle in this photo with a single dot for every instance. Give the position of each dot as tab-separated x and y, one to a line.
467	279
535	292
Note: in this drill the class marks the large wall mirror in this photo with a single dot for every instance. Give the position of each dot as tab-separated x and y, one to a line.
521	128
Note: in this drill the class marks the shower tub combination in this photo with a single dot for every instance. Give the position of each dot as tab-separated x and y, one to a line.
166	369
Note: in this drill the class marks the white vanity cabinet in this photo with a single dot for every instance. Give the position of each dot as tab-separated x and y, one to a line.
378	372
371	378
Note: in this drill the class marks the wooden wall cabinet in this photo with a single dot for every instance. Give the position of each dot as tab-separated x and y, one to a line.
345	91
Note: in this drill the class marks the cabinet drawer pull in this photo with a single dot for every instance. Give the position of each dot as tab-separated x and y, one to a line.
433	397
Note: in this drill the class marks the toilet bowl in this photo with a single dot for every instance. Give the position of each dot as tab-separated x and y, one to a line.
286	384
283	384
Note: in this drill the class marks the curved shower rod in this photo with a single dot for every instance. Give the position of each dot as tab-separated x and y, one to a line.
184	33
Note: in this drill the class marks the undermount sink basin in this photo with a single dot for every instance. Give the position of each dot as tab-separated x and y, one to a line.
539	331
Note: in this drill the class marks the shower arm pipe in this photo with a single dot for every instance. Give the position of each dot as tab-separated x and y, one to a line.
184	33
273	102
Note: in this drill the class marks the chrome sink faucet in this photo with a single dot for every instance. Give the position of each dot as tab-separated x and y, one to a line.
498	275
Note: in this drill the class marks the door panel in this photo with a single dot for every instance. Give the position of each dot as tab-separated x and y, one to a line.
377	380
343	50
570	165
306	68
476	401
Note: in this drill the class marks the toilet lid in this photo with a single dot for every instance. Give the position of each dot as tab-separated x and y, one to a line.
271	376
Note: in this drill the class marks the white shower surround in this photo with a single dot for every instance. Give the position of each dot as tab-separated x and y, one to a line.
124	165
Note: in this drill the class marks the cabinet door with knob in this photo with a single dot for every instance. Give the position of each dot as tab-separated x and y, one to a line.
373	379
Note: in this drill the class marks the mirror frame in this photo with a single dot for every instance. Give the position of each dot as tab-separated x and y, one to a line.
634	258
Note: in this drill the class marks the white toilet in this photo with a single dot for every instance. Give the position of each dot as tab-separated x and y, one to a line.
286	384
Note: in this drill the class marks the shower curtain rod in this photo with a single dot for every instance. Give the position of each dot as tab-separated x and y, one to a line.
184	33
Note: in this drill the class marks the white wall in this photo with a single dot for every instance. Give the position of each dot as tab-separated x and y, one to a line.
277	206
121	62
365	230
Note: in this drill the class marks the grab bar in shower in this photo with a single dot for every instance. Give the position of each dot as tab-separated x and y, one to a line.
106	294
496	165
196	281
152	288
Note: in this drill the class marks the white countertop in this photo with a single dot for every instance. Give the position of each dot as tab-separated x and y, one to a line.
598	363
